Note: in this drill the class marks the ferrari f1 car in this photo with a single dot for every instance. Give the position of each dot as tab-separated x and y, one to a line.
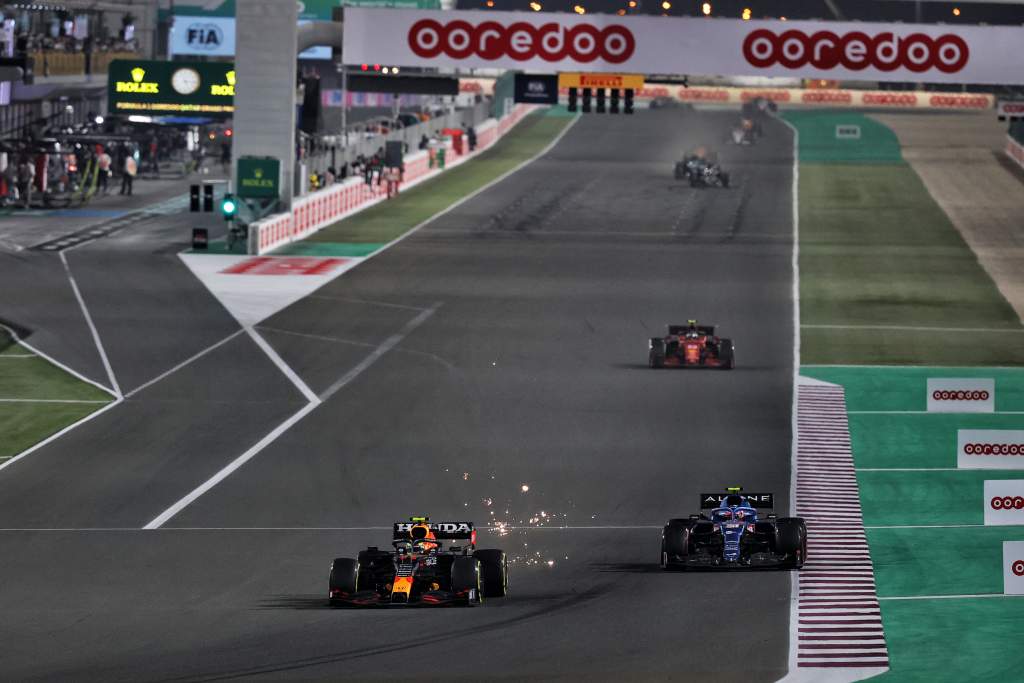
691	346
734	535
419	570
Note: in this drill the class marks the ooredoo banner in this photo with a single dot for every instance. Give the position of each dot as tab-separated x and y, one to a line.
961	395
1013	567
546	43
1004	502
990	449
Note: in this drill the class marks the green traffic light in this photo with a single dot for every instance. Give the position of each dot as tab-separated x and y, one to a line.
228	207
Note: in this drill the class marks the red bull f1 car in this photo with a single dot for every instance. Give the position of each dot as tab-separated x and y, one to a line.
691	346
734	535
419	570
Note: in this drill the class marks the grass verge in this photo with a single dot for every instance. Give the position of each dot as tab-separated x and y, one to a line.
876	250
386	221
25	381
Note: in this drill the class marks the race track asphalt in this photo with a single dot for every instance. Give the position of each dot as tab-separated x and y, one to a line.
531	369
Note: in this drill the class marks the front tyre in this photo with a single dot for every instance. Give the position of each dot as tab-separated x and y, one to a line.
792	540
344	579
493	572
466	580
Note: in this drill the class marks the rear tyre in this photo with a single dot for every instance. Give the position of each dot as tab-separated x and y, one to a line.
675	545
344	578
726	354
656	357
494	572
466	580
792	540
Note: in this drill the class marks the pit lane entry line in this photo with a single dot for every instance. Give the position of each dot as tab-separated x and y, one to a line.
315	401
92	327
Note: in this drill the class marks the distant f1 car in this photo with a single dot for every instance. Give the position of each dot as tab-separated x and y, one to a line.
701	172
691	346
734	536
419	570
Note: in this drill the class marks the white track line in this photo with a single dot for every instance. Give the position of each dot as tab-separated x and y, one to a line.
47	400
346	299
914	469
65	368
937	526
4	356
645	527
92	327
226	471
388	344
182	364
57	435
916	367
285	369
915	328
376	354
925	412
952	597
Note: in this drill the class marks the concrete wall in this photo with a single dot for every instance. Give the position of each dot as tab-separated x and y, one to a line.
265	50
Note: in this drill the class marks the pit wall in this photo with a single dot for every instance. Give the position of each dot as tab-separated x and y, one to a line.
319	209
1015	150
875	99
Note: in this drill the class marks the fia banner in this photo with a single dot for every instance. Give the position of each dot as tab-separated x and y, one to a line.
552	42
990	449
961	395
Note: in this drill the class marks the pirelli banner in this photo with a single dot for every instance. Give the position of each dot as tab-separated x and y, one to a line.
546	43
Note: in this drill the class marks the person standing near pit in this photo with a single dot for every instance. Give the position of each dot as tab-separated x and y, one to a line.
103	161
128	174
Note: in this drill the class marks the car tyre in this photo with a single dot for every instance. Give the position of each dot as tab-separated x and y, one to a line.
792	540
344	577
675	543
466	578
726	354
494	572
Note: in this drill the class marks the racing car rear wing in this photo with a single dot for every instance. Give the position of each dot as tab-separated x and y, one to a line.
442	530
705	330
710	501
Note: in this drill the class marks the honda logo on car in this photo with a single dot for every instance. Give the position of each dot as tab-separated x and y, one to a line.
856	51
961	395
1013	567
521	41
1001	449
1004	502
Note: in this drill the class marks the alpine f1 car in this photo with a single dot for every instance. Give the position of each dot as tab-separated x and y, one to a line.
734	536
691	346
419	570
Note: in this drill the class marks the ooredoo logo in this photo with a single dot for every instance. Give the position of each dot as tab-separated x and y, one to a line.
1007	503
521	41
1018	568
856	50
994	448
942	395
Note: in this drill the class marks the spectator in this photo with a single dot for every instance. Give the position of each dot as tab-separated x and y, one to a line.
331	177
368	167
128	174
103	161
424	142
26	179
154	158
225	155
471	137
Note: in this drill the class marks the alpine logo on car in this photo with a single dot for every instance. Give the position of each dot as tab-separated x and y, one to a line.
856	50
521	41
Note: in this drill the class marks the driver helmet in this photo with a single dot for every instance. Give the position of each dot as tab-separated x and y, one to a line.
691	331
423	539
